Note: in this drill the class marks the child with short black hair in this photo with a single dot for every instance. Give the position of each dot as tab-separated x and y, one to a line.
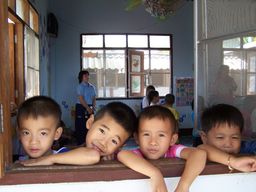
156	136
39	125
222	127
145	100
108	130
168	103
153	97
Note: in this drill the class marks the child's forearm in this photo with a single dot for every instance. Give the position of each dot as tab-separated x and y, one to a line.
195	163
79	156
245	164
136	163
142	166
214	154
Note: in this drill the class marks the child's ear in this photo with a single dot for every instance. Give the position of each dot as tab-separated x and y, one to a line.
90	121
58	133
174	139
203	137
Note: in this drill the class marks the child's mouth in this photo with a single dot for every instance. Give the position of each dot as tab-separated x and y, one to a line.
152	151
97	148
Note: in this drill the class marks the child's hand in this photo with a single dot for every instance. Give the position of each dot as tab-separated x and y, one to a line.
158	184
245	164
35	162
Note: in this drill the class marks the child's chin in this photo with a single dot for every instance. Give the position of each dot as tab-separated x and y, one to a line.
152	157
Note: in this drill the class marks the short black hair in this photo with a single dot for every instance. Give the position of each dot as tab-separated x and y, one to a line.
220	114
169	99
158	111
39	106
81	74
150	88
152	94
121	113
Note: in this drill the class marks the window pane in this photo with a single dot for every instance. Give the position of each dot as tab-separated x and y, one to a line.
108	74
160	41
231	43
233	59
115	40
160	60
31	63
115	73
249	42
251	60
32	83
251	84
92	59
137	41
92	41
162	82
22	10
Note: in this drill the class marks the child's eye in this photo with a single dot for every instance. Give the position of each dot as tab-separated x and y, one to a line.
219	137
235	137
25	133
161	135
43	133
145	134
114	142
102	130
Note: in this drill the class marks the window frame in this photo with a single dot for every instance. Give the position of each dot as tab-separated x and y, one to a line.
127	49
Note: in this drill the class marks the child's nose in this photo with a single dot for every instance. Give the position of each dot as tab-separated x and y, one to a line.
153	141
228	142
33	139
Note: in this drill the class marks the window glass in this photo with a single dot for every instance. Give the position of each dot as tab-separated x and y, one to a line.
160	60
137	41
159	41
31	63
115	40
162	82
249	42
232	43
92	41
115	73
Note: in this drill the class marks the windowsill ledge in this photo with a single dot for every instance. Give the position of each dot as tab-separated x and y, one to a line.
104	171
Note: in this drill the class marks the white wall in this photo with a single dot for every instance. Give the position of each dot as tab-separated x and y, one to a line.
212	183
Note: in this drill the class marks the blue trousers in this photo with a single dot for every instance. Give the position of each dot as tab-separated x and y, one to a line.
80	124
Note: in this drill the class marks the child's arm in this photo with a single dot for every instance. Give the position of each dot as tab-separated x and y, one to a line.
79	156
245	164
195	163
142	166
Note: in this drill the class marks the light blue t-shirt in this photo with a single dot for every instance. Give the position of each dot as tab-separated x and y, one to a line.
87	90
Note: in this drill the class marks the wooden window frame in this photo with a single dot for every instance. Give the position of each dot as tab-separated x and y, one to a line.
104	171
12	174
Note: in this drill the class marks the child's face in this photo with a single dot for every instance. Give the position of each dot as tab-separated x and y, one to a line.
156	100
224	137
155	136
37	135
105	135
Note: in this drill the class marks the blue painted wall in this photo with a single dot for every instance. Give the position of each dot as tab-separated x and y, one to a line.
62	64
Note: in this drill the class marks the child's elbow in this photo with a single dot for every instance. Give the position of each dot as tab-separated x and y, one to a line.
201	154
95	155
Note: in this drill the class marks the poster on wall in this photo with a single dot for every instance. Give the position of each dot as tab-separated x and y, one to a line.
184	91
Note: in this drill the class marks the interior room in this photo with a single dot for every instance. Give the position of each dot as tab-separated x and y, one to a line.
126	45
